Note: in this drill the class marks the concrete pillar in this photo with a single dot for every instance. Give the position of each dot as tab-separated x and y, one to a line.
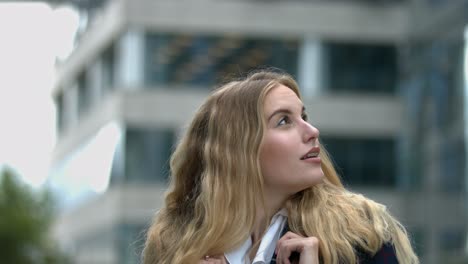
311	70
130	59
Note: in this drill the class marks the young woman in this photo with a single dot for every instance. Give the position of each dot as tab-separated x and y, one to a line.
252	184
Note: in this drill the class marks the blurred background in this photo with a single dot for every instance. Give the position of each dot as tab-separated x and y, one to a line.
95	93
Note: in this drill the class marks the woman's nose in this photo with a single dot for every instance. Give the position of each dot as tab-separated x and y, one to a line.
310	132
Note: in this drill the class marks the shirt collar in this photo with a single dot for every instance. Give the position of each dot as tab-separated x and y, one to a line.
267	245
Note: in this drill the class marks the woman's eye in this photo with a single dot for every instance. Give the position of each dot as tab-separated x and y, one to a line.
305	117
283	121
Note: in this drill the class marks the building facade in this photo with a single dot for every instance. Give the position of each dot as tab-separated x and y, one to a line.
384	82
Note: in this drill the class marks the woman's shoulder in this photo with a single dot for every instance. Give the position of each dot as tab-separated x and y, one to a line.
376	219
385	255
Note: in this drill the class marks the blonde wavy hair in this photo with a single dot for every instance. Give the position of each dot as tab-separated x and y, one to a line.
216	187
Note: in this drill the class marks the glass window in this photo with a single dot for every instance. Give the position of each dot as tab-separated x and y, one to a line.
443	74
131	241
360	68
59	112
418	239
449	65
452	240
84	95
126	239
438	3
108	59
158	51
364	162
147	154
452	165
100	238
204	60
436	102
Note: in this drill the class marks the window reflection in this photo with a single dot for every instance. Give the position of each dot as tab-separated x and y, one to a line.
202	60
364	162
60	118
433	89
452	159
147	154
131	241
84	95
452	240
361	68
108	65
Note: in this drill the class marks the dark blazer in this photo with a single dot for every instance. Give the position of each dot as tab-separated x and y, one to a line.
385	255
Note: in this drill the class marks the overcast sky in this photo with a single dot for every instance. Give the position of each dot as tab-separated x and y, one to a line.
32	35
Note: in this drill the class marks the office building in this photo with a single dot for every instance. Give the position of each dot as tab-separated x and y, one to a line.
382	80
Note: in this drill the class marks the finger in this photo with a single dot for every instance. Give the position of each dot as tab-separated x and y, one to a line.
310	251
286	248
281	260
287	236
290	235
306	248
283	255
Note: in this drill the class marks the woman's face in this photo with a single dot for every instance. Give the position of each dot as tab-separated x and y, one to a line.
289	152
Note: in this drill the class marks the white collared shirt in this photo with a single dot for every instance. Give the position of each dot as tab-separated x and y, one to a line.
267	245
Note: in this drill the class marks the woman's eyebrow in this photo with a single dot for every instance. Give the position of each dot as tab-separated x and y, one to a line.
283	111
280	111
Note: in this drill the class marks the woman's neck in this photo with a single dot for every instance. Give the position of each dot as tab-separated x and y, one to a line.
262	220
273	203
